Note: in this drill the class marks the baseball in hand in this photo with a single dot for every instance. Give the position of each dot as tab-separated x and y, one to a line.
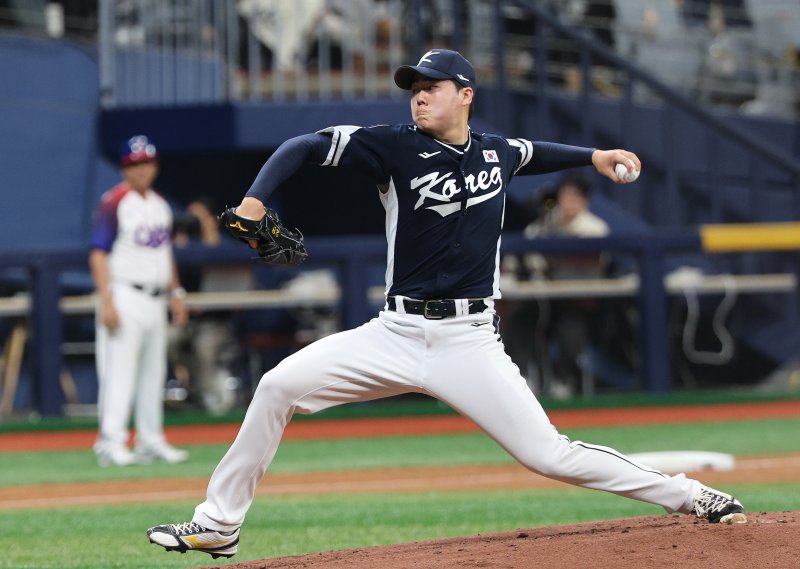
624	175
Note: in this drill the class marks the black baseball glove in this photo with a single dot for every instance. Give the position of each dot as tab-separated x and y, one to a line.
275	244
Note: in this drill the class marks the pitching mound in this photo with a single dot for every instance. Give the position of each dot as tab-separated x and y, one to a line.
767	540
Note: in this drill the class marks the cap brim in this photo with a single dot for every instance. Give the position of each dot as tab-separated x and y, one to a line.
404	76
127	161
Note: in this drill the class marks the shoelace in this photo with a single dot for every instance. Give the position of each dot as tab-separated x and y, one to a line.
188	528
710	502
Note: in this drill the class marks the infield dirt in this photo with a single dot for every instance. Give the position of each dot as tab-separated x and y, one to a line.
648	542
755	469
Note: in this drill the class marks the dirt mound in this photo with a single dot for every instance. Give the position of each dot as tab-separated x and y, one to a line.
767	540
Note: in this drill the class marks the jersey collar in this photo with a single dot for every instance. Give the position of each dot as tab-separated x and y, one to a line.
448	146
453	148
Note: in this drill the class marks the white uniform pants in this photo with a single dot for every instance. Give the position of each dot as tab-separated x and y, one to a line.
131	369
458	360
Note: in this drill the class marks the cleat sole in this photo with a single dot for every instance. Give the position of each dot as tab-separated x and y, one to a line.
737	518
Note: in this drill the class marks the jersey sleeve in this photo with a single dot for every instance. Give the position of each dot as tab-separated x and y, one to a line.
543	157
105	223
361	148
287	159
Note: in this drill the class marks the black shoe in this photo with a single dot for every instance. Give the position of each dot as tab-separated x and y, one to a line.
718	507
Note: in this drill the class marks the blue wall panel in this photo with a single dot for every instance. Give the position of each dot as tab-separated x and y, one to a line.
48	114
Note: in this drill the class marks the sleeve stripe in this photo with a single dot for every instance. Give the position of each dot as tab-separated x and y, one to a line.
341	137
334	144
526	151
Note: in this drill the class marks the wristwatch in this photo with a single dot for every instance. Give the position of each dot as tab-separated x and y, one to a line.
178	292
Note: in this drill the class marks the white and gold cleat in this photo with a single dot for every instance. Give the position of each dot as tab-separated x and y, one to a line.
191	536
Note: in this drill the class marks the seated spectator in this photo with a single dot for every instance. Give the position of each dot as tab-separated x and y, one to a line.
563	53
567	322
728	76
569	215
293	34
203	352
337	32
716	15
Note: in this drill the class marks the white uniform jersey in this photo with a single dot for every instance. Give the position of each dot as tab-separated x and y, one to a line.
135	230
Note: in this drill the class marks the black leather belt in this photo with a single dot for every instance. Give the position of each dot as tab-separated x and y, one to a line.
435	309
155	292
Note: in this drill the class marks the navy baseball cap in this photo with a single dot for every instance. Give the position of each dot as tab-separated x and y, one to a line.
137	149
438	64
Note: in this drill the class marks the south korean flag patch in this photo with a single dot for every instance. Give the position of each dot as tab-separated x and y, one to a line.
490	156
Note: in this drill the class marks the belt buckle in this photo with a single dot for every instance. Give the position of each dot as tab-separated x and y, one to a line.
426	313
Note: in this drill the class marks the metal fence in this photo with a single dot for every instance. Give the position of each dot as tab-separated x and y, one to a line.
168	52
156	52
207	51
742	54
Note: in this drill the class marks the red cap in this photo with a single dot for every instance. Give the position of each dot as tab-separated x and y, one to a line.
137	149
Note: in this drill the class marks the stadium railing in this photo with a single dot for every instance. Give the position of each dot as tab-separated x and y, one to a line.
353	256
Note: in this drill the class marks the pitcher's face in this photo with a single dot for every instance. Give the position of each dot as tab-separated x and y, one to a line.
438	106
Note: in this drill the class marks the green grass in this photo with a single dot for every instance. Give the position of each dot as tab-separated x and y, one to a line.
113	537
418	405
101	537
741	438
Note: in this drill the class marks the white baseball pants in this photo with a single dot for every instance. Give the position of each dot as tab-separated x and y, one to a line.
458	360
131	369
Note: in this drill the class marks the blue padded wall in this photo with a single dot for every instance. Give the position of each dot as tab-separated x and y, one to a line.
48	118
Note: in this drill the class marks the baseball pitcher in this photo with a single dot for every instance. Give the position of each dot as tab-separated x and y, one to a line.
443	187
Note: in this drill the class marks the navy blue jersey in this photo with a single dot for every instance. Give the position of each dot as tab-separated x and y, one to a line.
444	204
